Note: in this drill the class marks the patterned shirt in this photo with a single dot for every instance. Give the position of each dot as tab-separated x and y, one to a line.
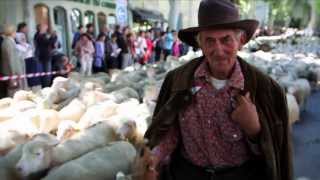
209	136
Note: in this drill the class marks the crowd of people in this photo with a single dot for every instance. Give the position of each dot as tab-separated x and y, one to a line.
111	49
122	47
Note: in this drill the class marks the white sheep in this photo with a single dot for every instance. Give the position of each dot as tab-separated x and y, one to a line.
48	120
7	113
5	102
93	97
8	170
293	108
97	113
101	164
9	139
73	111
26	123
22	95
301	90
124	94
23	105
52	155
66	129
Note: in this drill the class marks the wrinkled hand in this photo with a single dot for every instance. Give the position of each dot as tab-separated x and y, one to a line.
151	164
245	114
145	167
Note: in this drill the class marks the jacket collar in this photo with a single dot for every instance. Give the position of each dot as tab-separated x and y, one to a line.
184	76
236	79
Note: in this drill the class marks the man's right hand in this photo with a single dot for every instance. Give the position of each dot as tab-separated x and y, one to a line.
146	165
151	164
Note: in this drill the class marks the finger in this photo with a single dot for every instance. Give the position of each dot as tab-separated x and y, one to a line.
240	100
248	97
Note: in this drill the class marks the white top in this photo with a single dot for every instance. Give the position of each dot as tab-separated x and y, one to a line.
217	83
25	49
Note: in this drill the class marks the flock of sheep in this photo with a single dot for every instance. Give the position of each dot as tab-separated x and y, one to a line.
80	127
93	127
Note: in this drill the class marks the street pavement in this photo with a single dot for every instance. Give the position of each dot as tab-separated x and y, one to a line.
306	141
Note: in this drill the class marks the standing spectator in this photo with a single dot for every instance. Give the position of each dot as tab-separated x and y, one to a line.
90	31
85	50
76	36
159	43
177	47
32	66
42	52
75	59
126	58
122	58
168	42
99	65
54	43
112	53
148	54
12	63
131	48
141	46
105	30
23	28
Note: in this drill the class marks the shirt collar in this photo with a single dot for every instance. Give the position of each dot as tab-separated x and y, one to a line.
236	79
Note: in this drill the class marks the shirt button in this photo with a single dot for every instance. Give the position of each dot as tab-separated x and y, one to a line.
235	136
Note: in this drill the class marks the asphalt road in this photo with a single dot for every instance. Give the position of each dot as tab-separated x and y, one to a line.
306	141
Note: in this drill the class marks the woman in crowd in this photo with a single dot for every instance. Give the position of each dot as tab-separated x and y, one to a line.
147	58
85	51
42	52
131	39
26	51
177	47
12	63
158	45
99	65
112	53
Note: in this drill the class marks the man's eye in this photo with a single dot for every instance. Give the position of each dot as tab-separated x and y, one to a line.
226	39
209	41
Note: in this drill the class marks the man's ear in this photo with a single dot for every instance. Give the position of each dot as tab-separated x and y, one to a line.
242	40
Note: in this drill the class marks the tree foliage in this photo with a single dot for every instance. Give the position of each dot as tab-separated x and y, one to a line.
281	11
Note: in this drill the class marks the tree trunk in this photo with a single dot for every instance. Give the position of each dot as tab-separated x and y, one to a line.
314	22
173	14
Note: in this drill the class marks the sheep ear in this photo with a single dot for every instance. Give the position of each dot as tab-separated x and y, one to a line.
53	143
50	145
21	138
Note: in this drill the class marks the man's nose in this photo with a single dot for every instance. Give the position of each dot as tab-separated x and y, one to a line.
218	49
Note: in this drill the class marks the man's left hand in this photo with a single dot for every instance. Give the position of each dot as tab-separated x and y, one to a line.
246	115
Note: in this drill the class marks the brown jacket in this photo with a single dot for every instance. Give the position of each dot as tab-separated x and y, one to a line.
270	101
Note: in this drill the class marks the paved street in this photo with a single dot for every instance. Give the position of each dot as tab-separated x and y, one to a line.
306	139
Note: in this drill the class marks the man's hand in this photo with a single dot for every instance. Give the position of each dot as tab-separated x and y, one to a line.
145	166
151	172
246	115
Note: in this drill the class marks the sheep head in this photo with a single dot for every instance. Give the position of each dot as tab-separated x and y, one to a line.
36	156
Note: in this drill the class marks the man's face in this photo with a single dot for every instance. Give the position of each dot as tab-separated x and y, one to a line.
81	30
25	29
220	48
90	29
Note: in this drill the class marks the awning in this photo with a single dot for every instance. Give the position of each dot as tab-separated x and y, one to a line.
140	15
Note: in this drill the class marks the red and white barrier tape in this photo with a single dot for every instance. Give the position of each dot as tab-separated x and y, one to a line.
6	78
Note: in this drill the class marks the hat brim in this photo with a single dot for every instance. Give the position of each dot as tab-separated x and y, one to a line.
188	35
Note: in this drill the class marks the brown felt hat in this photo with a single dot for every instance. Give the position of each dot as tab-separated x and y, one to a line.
218	14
